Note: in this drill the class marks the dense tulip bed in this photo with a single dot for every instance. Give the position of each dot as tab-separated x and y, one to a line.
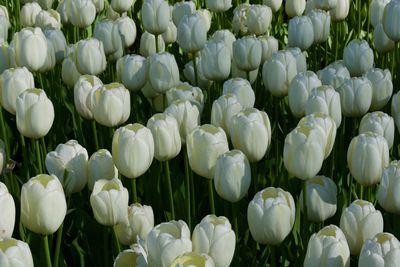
205	133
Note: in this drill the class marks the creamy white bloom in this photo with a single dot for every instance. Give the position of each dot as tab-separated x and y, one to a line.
258	19
381	250
132	71
82	89
48	19
269	45
358	57
295	7
219	5
275	5
300	32
193	259
148	44
375	11
355	96
90	56
101	166
14	252
7	207
242	89
28	14
121	6
81	13
334	74
382	43
321	21
214	63
225	36
58	41
341	11
171	34
185	91
382	87
380	123
247	53
223	109
389	188
135	254
164	71
191	33
155	16
181	9
390	20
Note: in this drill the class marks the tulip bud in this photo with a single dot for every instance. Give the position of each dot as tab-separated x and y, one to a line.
127	30
355	96
247	53
185	91
135	255
192	34
219	6
28	14
132	72
167	241
140	222
334	74
50	60
7	208
224	36
271	215
390	21
258	19
278	73
367	155
164	70
62	10
242	89
381	250
171	34
232	175
90	57
69	163
328	247
81	13
106	31
133	149
382	87
301	62
181	9
148	44
109	200
376	10
379	123
187	116
7	59
341	10
35	113
110	104
301	32
69	72
275	5
214	63
82	89
57	39
100	166
382	42
121	6
223	109
155	16
12	83
190	258
388	192
43	204
326	100
48	18
325	4
269	45
299	91
244	126
206	15
321	21
214	236
204	145
321	198
14	252
359	222
358	57
295	7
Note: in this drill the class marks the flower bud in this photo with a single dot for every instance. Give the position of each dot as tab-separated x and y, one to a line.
126	28
214	63
259	19
242	89
14	252
132	72
301	32
295	7
155	16
358	57
28	14
192	34
82	89
219	6
164	72
81	13
171	34
223	109
181	9
269	45
334	74
57	39
148	44
341	11
301	61
190	258
390	21
382	43
275	5
121	6
90	57
375	11
355	96
224	36
7	208
389	188
379	123
69	72
48	19
247	53
321	21
185	91
382	87
381	250
100	166
271	216
106	31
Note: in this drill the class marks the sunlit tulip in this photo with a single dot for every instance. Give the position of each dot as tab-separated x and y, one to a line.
218	5
223	109
271	215
269	45
358	57
380	123
214	63
69	163
148	44
69	73
328	247
181	9
14	252
239	19
341	11
90	57
375	11
247	53
81	13
132	71
321	21
225	36
301	61
382	43
382	87
121	6
325	4
133	149
171	34
127	30
295	7
389	188
360	221
185	91
390	20
192	258
206	15
192	34
155	16
301	32
7	208
275	5
163	72
82	89
48	19
28	14
100	166
381	250
355	96
136	255
43	204
50	60
242	89
259	19
334	74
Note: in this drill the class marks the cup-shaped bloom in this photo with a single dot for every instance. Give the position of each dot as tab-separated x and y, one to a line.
121	6
389	188
50	60
242	89
355	96
69	72
193	259
30	48
321	21
148	44
187	116
218	5
258	19
35	113
360	221
326	100
245	127
382	87
328	247
167	241
247	53
188	72
155	16
301	61
214	61
381	250
82	89
48	18
28	14
239	19
275	5
214	236
110	104
164	72
223	109
303	152
81	13
321	198
334	74
181	9
43	204
140	222
204	145
185	91
126	28
299	91
14	252
390	20
295	7
358	57
69	163
171	34
100	166
135	255
206	15
109	201
167	142
380	123
133	149
232	175
367	156
271	215
375	11
7	208
12	83
90	56
106	31
301	32
341	11
278	72
191	33
57	39
225	36
269	45
382	43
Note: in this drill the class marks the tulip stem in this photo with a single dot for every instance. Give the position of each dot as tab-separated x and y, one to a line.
4	132
305	210
58	245
46	250
235	219
196	77
187	188
156	40
211	195
134	193
248	76
169	185
361	192
273	256
117	244
35	143
96	140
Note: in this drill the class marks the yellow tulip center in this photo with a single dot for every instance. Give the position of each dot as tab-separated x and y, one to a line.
317	180
191	260
269	193
327	231
134	127
5	244
43	179
382	238
110	186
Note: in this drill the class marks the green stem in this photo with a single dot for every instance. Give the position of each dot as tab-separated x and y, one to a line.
156	40
25	164
46	250
169	185
192	191
361	191
187	188
211	195
359	17
235	220
273	256
94	129
38	155
79	250
134	192
117	244
305	210
254	175
248	76
4	132
58	245
196	75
